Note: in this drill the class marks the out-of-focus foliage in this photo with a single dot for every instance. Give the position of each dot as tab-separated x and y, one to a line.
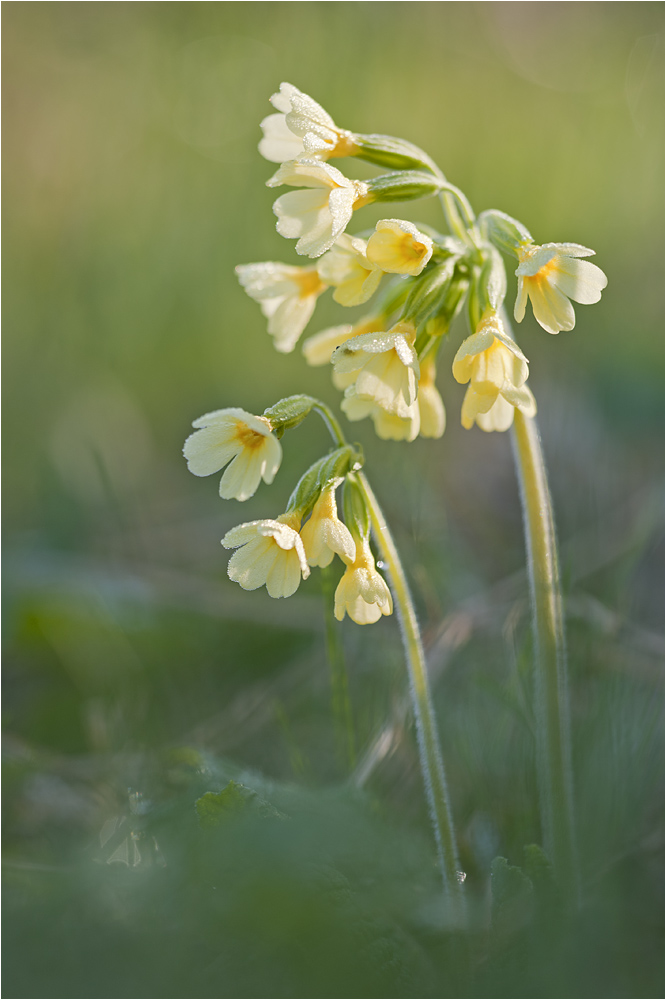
138	679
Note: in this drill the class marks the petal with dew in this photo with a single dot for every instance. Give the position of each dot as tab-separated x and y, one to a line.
208	450
279	143
552	309
580	280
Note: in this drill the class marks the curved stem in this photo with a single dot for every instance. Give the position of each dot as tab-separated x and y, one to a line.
550	662
463	203
426	725
331	422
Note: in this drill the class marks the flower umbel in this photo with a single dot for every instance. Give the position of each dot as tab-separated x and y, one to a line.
325	535
234	434
497	371
551	275
362	593
269	552
387	366
317	216
287	296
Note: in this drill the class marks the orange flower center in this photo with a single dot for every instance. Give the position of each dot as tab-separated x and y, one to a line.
544	273
247	437
309	283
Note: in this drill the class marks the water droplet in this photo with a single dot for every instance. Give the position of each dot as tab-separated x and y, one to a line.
381	564
461	876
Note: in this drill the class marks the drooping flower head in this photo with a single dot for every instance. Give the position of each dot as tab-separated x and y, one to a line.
497	370
346	267
301	127
430	403
324	535
388	426
386	364
552	274
398	247
362	593
426	416
237	437
287	296
317	350
269	552
318	215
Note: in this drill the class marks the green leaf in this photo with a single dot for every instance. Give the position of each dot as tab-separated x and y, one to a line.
512	893
215	808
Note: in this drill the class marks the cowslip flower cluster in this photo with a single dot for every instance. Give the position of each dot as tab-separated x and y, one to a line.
278	553
386	363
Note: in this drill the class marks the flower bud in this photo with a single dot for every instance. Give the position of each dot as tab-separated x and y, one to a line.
429	292
403	185
506	233
333	466
288	412
387	151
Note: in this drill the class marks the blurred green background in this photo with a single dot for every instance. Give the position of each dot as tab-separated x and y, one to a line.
135	672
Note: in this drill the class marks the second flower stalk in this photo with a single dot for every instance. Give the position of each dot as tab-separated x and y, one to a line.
278	553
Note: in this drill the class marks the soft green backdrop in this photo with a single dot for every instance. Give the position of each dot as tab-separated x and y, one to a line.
133	186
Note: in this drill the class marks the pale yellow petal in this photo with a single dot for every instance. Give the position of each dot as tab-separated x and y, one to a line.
318	349
580	280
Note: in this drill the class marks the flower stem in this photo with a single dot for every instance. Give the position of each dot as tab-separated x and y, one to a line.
554	771
342	714
426	725
332	424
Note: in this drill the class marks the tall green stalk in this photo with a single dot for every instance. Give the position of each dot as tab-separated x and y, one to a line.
550	661
426	725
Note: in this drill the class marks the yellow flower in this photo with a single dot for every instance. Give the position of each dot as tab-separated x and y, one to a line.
269	552
430	403
362	593
426	416
317	350
324	535
551	275
234	434
287	296
347	268
497	371
318	215
398	247
388	426
301	127
387	367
